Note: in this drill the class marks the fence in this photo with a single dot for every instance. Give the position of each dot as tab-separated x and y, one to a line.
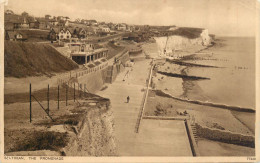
69	93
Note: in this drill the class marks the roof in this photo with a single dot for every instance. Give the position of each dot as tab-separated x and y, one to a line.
12	34
13	18
52	20
41	20
56	30
32	20
70	29
9	25
21	33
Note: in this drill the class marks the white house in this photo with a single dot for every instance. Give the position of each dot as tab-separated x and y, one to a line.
105	29
64	34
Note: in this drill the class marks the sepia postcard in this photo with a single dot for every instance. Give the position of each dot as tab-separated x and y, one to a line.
129	81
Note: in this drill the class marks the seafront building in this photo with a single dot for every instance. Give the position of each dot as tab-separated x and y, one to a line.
84	53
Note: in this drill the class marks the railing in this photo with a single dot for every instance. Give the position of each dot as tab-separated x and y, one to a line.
81	73
142	107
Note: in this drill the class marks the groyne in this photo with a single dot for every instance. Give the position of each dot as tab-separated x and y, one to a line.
183	76
179	62
222	106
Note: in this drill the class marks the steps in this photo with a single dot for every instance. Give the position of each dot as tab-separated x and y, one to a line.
194	131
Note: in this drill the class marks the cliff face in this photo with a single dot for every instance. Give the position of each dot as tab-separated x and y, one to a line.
95	134
177	42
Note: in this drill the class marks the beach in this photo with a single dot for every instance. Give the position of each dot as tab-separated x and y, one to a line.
219	74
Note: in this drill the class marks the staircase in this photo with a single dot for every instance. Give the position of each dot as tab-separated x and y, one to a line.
194	131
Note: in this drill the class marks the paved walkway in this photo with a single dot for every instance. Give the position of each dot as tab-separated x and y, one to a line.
155	137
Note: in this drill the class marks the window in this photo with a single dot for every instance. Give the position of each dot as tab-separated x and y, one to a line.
61	36
68	36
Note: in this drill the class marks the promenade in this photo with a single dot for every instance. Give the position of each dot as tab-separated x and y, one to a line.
155	137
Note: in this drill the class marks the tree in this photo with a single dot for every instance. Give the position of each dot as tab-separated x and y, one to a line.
10	12
25	14
78	20
47	17
67	18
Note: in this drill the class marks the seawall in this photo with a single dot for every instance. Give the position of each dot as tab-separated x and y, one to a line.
225	136
93	79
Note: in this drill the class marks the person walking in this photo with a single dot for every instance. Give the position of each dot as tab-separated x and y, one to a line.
128	99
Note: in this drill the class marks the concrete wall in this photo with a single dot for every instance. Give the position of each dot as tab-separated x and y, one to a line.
96	77
225	136
116	68
94	81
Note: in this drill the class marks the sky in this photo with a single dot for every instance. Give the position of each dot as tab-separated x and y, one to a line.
221	17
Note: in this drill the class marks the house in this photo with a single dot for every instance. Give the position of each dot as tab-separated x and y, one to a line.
53	22
25	24
66	23
53	34
9	12
12	21
44	24
89	22
21	24
15	36
65	34
33	23
90	31
80	33
105	29
121	27
9	26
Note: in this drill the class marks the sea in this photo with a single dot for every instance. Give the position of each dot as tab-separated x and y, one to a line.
231	80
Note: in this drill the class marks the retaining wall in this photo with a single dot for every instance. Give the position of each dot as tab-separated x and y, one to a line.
95	78
117	67
94	81
225	136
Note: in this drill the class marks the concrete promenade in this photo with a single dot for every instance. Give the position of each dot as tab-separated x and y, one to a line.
155	137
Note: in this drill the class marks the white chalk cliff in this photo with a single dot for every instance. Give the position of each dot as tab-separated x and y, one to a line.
176	42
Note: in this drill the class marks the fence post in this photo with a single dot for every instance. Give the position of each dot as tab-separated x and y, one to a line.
30	103
66	96
58	97
48	109
78	89
74	92
84	89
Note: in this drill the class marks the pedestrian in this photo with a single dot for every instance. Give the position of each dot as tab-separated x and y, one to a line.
128	99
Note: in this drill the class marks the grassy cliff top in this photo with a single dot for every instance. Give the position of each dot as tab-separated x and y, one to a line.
22	59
